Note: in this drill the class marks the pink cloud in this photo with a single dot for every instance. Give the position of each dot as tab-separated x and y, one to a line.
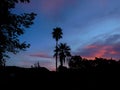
99	53
109	47
106	51
102	51
92	51
42	55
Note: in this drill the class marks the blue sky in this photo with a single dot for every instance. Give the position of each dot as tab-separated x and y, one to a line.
90	27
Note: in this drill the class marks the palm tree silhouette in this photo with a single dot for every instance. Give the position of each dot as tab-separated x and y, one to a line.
64	52
57	34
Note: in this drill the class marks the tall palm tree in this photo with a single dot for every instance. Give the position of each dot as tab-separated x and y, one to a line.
57	34
64	52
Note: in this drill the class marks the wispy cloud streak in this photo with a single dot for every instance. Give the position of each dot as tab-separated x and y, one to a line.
41	55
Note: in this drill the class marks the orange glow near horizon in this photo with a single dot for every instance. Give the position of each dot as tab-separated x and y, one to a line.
100	51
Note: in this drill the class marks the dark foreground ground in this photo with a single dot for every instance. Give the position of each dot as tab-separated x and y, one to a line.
42	79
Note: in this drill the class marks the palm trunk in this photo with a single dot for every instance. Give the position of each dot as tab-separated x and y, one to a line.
56	54
61	62
1	60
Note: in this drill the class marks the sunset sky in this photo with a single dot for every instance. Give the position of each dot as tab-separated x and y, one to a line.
90	27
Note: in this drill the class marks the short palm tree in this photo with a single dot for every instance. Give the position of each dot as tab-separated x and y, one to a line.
57	34
64	52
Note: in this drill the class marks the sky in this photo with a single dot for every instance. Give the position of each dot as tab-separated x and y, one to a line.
90	27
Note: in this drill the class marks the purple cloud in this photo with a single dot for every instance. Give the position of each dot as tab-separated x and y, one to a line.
109	48
55	5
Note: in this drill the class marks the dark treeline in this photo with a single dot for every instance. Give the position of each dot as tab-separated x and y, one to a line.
77	63
100	73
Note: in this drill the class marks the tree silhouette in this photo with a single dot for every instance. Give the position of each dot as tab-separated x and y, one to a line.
75	62
36	65
11	27
64	52
57	34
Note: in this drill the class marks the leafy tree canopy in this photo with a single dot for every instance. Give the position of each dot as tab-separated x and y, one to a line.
11	27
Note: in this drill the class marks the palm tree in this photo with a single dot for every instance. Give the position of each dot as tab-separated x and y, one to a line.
57	34
64	52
